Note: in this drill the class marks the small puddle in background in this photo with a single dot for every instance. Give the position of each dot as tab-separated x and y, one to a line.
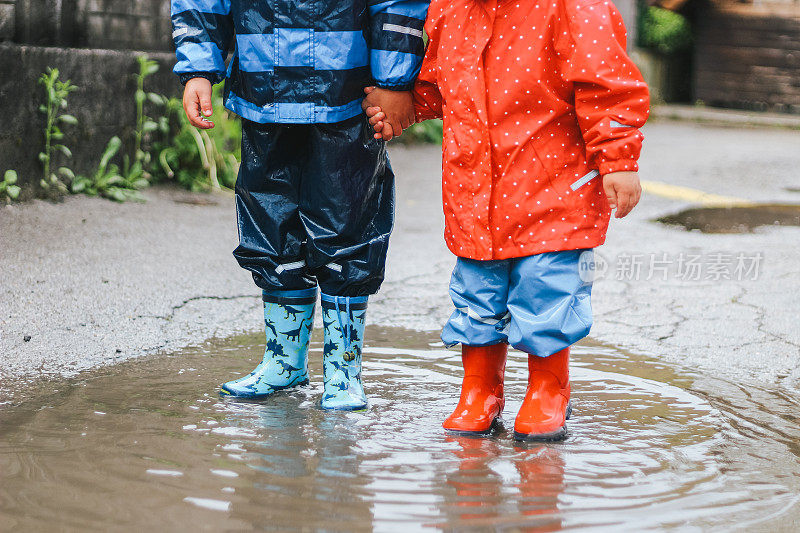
734	219
147	444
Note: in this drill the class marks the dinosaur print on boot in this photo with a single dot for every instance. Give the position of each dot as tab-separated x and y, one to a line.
286	368
330	346
341	363
276	348
285	361
294	334
291	312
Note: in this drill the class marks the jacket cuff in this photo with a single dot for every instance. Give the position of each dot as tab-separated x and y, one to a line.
421	115
210	76
393	87
618	165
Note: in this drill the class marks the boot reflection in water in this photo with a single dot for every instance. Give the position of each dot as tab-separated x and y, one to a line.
478	487
541	482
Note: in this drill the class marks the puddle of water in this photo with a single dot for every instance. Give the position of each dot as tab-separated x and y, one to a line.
147	443
734	219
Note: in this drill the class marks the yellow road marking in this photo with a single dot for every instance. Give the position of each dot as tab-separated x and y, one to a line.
687	194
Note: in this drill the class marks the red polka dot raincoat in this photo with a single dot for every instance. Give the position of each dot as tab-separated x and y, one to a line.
539	99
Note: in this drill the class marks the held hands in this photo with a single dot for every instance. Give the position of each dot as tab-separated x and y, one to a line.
389	112
197	102
622	188
623	191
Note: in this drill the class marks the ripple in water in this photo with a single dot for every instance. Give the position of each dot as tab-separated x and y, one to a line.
148	444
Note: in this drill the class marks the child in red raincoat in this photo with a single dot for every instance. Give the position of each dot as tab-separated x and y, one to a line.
542	108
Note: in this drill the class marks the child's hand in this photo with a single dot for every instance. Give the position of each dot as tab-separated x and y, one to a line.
623	191
197	100
383	130
396	109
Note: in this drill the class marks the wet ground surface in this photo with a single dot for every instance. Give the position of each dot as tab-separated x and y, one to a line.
90	282
735	219
148	444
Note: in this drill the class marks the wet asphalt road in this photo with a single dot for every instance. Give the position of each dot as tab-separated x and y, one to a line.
90	282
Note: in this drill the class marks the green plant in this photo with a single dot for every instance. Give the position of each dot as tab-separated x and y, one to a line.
121	184
664	31
202	160
428	132
8	187
108	181
145	124
57	92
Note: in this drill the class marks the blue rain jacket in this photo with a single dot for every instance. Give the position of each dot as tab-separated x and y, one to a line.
301	61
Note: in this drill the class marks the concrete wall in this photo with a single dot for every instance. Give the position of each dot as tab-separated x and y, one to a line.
747	55
103	104
110	24
93	43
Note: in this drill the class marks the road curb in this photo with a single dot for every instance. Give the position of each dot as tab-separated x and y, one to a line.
730	117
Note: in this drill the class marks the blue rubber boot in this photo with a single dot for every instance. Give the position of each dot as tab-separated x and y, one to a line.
289	318
343	318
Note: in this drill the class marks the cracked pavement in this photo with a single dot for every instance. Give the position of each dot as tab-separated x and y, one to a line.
90	282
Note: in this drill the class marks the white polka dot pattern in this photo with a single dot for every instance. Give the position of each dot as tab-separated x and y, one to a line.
536	96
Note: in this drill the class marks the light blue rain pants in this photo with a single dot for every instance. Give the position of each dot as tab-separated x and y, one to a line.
538	304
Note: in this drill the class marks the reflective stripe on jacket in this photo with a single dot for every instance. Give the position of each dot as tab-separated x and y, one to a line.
300	61
539	100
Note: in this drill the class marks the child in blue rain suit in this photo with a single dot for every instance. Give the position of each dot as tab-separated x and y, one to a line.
315	192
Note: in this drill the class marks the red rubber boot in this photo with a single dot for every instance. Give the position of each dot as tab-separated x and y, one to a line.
482	398
543	414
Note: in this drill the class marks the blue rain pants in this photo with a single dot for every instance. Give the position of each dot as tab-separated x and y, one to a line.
538	304
315	206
